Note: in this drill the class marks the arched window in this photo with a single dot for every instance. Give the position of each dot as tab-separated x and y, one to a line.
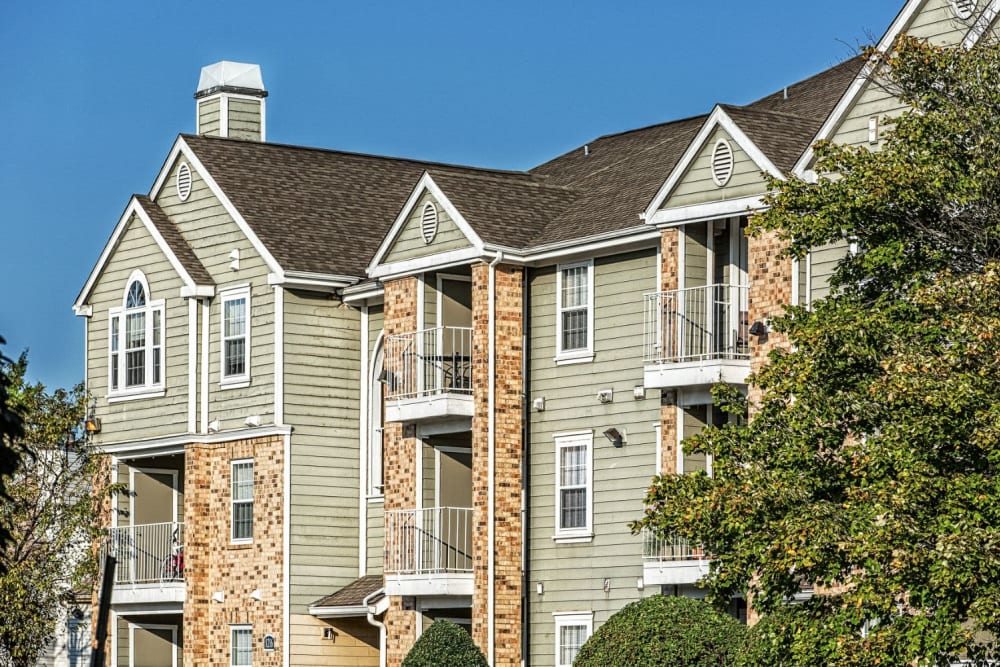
135	362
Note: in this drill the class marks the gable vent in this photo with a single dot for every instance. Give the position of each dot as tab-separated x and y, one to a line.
183	181
722	162
963	8
429	222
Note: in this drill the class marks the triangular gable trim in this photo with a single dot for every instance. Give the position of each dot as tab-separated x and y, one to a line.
903	19
426	182
181	147
133	208
718	119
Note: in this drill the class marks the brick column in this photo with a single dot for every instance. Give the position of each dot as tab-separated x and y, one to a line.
213	564
509	450
400	472
770	279
670	262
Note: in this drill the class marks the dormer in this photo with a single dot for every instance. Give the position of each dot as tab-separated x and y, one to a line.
230	101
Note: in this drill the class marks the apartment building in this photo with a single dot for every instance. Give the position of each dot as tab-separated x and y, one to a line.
354	394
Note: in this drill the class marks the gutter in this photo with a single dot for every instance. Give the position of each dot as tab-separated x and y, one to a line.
370	611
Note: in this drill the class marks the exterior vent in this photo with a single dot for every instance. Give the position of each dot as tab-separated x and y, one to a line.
429	222
722	163
963	8
183	181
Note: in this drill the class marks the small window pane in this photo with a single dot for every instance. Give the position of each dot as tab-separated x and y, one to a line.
136	296
235	317
234	334
235	357
242	499
574	508
243	481
571	639
242	646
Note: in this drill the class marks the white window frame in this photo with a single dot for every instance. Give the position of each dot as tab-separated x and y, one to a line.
376	427
569	619
233	629
583	533
584	354
233	501
709	459
240	380
148	389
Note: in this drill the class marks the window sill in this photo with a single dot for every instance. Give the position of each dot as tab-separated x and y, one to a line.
240	544
372	500
235	383
573	538
582	357
136	394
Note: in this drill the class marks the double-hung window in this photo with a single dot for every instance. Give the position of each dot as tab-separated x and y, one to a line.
575	312
242	500
574	486
135	343
573	629
240	645
236	337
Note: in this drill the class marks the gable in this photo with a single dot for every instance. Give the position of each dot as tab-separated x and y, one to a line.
203	220
696	185
410	243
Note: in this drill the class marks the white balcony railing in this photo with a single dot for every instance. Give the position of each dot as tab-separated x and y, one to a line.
147	553
697	324
668	548
429	362
433	540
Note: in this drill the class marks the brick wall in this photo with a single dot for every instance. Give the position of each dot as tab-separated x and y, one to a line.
213	564
400	468
508	408
770	279
670	260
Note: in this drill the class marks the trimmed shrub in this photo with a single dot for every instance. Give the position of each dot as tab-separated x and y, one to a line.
445	644
664	631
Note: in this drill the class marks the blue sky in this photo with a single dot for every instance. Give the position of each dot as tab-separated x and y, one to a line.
94	94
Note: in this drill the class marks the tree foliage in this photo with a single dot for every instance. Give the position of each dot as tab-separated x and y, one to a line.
11	429
445	644
871	467
52	515
664	631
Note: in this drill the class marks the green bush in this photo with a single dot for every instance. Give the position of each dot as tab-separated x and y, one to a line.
667	631
770	641
445	644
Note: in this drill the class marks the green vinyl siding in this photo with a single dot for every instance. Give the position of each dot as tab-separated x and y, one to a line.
823	262
696	254
697	187
121	628
429	473
376	511
322	390
430	300
209	116
409	242
139	418
573	574
213	235
245	119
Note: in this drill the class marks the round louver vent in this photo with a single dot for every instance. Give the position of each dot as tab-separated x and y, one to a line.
722	163
184	181
429	222
963	8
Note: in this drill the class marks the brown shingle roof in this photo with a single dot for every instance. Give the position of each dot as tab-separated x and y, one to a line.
353	594
185	255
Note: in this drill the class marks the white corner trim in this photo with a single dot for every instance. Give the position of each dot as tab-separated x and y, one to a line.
717	119
197	291
192	365
84	310
710	211
279	354
982	24
286	541
426	182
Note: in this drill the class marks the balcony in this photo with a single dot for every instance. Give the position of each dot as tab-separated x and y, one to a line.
428	376
696	336
671	560
428	551
150	564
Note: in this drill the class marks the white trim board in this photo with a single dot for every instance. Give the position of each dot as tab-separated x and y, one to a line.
133	207
717	119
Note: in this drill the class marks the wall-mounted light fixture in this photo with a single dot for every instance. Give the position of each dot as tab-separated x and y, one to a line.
540	588
638	392
213	426
606	395
615	437
252	420
93	423
758	328
607	585
218	596
234	259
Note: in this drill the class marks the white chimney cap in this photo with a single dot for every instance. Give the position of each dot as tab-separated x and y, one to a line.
227	74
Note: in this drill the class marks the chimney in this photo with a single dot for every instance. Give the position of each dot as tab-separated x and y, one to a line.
230	101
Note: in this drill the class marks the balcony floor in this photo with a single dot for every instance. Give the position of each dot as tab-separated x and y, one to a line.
435	407
668	375
429	584
675	572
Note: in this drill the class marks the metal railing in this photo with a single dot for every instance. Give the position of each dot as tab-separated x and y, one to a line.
428	362
147	553
669	548
697	324
433	540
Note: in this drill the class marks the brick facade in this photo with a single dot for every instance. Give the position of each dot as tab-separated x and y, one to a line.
670	260
509	449
213	564
770	277
401	457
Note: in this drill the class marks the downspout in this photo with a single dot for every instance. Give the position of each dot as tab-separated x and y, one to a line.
491	465
525	467
376	623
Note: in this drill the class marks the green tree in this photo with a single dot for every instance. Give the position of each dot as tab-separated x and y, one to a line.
664	631
52	514
11	429
870	469
445	644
